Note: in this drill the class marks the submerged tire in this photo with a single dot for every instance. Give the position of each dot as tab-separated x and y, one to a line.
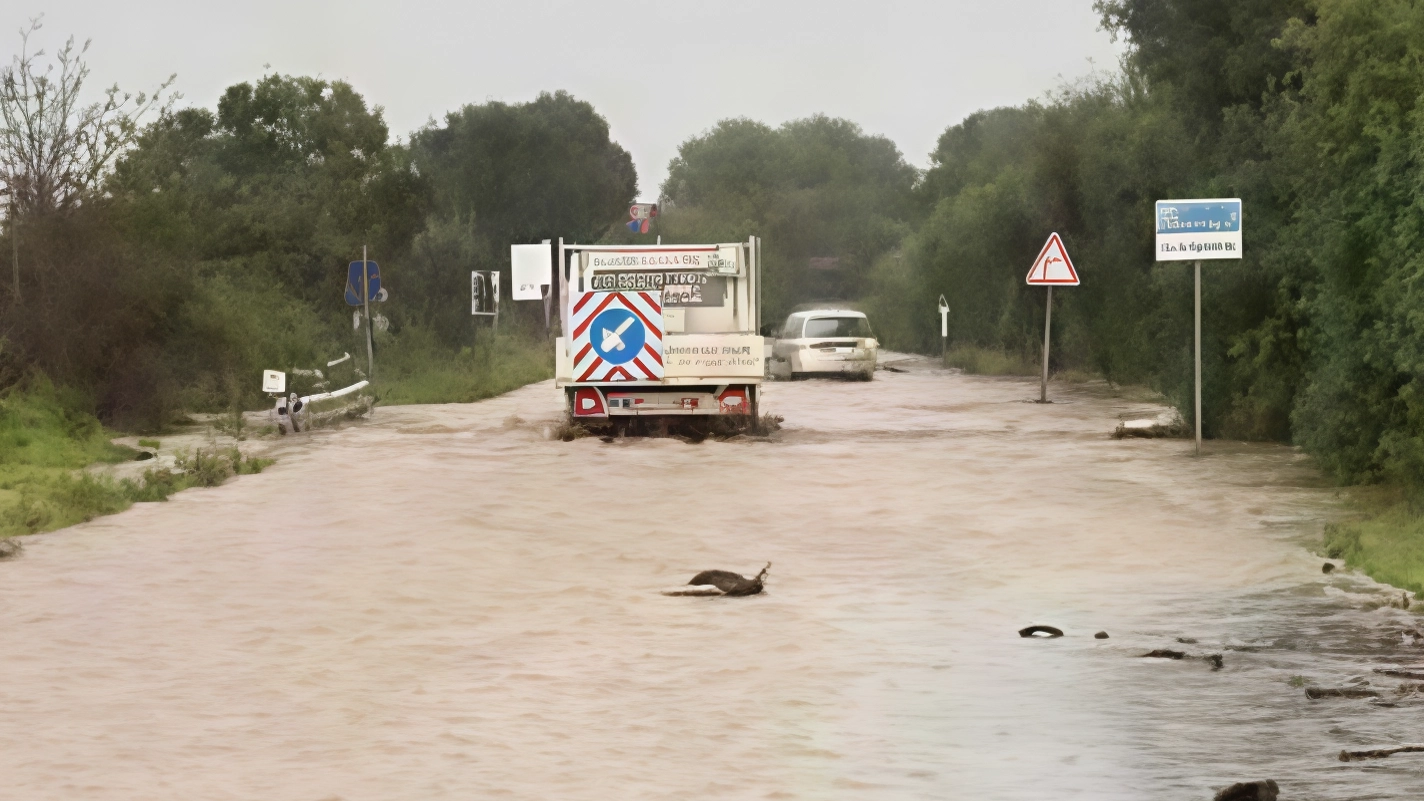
1049	632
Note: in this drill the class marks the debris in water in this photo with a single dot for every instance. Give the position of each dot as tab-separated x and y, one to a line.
1327	568
1380	753
10	548
1215	660
1401	674
695	590
1165	425
1102	635
1187	640
1163	653
722	582
1316	693
1267	790
1047	632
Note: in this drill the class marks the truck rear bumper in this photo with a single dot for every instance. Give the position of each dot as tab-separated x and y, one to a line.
604	402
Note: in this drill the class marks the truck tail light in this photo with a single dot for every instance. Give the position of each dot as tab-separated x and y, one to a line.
734	401
588	402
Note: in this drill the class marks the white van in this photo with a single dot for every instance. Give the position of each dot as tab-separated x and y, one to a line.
825	342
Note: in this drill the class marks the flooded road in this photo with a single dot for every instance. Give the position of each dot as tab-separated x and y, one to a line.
444	604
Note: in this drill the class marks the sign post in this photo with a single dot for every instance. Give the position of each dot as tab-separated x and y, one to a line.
1194	230
1051	268
363	285
943	328
366	301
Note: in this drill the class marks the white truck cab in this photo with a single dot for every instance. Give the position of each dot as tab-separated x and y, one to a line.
660	331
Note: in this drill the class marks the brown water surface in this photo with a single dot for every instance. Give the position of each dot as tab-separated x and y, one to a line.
445	604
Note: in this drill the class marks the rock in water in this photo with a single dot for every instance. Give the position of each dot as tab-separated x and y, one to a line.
731	583
1250	791
1102	635
1327	568
1164	653
10	548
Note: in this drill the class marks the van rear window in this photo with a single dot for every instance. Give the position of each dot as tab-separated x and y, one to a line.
818	327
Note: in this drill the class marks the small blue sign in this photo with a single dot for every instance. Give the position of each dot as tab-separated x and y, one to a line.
355	280
617	336
1198	216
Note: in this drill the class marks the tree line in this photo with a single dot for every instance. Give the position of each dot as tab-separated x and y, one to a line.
1311	111
204	245
215	244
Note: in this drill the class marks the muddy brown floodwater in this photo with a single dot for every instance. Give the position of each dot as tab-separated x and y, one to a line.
444	604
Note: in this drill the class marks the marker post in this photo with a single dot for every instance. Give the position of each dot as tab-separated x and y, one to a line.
943	328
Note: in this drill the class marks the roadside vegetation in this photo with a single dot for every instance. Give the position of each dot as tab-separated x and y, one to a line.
46	439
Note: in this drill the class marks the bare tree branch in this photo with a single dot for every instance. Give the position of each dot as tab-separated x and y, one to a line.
55	152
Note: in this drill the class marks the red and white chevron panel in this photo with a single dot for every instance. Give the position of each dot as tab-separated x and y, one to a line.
617	336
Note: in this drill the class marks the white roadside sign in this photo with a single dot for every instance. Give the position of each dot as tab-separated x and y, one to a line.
531	270
1192	230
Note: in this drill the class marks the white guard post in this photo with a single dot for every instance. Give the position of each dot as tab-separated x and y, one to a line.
943	328
1194	230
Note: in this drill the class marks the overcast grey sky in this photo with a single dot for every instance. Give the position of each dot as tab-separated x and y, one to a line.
658	71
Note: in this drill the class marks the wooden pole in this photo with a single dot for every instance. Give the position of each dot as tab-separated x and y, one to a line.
1198	357
1047	327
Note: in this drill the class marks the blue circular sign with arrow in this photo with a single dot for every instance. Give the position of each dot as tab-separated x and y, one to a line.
617	336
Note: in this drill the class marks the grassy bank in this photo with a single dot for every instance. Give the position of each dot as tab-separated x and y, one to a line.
1385	540
987	361
45	442
48	438
413	369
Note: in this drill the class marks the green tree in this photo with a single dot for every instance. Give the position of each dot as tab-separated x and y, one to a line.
504	174
827	199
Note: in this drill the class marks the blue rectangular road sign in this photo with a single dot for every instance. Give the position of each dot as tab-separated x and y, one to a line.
1188	230
355	280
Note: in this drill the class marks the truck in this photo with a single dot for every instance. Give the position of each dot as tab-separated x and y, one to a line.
653	334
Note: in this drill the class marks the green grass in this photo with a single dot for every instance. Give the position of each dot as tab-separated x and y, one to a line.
412	369
1386	542
46	440
984	361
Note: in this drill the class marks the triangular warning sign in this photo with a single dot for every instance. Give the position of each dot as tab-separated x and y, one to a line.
1052	267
